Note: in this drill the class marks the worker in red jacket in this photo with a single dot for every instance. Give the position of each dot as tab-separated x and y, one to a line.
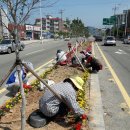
91	61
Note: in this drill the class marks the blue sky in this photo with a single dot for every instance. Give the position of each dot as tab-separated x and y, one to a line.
91	12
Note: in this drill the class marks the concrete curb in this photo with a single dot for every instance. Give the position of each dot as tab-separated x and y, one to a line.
96	113
97	121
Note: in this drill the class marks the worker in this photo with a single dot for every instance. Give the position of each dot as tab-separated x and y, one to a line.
51	106
13	80
91	61
61	57
75	61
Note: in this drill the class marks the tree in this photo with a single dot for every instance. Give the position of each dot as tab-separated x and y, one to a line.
78	28
17	12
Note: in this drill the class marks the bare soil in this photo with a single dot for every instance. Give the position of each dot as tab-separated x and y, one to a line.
12	119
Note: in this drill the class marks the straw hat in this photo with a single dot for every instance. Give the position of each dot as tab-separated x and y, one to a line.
78	82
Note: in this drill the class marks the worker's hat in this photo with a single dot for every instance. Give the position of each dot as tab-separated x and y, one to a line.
59	51
77	81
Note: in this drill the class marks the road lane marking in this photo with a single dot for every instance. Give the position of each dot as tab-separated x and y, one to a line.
34	52
4	89
117	80
120	52
40	67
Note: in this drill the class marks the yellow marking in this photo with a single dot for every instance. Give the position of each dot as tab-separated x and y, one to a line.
40	67
117	80
4	89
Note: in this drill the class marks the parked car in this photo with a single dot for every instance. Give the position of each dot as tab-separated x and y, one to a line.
110	40
67	38
8	46
127	40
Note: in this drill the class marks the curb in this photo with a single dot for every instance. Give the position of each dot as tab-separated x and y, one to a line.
96	113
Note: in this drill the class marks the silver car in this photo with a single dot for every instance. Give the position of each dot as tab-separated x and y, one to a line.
126	40
110	40
8	46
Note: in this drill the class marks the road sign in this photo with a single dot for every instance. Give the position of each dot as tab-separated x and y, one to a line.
112	20
105	21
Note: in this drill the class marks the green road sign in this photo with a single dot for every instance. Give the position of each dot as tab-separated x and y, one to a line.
105	21
109	21
112	20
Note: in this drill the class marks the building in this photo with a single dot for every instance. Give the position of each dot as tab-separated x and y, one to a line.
3	24
32	32
50	24
21	30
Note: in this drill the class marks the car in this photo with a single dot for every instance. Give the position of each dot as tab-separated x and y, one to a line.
98	38
67	39
126	40
110	40
9	46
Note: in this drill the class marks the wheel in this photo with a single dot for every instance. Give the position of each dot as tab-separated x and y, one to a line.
37	120
21	48
9	50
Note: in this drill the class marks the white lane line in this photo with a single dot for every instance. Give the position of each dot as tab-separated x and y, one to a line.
120	52
34	52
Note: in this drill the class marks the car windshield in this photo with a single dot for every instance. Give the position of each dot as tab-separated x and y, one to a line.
110	38
5	42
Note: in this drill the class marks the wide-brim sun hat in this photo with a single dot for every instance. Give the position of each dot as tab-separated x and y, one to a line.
77	81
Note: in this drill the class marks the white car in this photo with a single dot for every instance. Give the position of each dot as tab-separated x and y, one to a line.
67	38
110	40
127	40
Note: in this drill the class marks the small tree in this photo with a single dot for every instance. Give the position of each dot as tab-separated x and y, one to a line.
77	28
17	13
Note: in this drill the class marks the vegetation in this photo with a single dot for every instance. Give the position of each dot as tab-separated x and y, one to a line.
77	28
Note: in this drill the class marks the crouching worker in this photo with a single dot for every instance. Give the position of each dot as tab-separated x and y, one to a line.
61	58
91	61
77	60
13	80
51	107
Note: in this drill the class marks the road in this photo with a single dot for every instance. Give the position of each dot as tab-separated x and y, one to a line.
36	53
115	92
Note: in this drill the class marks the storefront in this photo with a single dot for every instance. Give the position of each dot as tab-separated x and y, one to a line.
36	32
29	32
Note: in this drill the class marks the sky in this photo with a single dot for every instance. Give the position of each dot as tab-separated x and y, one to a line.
91	12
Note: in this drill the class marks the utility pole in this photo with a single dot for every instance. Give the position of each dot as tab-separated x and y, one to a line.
126	15
61	13
41	20
115	9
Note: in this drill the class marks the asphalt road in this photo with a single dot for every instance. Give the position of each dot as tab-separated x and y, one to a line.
36	53
116	112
